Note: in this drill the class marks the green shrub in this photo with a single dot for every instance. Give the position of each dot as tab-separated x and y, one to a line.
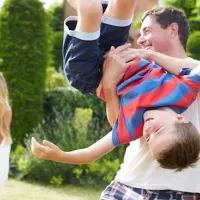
194	23
72	121
57	17
57	181
24	53
102	171
187	6
20	162
55	79
193	46
66	100
56	13
57	42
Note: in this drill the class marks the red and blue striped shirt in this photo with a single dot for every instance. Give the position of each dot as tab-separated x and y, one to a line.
146	85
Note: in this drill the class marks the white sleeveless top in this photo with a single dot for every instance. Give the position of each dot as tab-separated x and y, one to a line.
141	171
4	162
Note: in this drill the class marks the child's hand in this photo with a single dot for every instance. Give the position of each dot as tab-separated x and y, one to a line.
47	151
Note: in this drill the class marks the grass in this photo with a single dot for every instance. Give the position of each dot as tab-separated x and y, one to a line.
18	190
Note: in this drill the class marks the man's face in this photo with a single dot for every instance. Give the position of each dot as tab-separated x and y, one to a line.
159	130
153	36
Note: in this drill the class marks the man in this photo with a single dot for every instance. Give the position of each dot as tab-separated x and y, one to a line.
163	30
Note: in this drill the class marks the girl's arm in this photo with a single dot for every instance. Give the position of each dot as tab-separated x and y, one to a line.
49	151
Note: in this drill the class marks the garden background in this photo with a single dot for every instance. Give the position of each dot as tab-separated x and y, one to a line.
43	103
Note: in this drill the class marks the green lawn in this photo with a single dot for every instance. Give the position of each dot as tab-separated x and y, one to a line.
18	190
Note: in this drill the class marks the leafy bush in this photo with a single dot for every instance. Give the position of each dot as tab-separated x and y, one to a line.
193	45
192	10
102	171
70	123
187	6
56	14
24	52
55	79
57	42
57	181
194	23
57	17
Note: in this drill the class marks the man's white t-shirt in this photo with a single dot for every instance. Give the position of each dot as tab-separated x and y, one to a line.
139	170
4	162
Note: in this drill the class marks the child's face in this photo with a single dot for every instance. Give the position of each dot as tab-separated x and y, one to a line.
158	128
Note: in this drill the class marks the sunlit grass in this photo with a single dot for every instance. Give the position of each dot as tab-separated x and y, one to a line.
18	190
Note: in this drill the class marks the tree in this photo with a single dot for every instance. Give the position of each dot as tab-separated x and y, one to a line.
56	14
192	11
24	58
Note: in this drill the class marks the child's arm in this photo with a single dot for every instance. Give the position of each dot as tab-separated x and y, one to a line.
49	151
170	64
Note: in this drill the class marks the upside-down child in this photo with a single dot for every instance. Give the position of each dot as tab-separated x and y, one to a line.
147	93
150	102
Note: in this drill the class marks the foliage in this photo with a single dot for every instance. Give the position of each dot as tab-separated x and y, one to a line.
66	100
55	79
81	119
194	23
57	41
97	172
56	14
192	11
24	53
57	181
72	121
187	6
193	45
57	17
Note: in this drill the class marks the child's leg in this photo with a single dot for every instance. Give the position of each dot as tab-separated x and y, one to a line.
81	52
120	9
116	23
89	14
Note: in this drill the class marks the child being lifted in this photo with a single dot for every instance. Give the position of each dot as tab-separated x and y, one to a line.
150	99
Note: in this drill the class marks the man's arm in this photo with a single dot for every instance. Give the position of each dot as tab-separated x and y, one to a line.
170	64
115	65
49	151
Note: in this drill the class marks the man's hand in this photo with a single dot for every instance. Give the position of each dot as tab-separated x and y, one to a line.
116	64
47	151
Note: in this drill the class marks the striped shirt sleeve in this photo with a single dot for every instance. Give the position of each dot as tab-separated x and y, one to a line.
191	77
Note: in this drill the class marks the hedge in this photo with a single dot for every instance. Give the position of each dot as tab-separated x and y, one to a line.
24	53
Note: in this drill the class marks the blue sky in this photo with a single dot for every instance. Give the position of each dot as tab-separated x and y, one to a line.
47	3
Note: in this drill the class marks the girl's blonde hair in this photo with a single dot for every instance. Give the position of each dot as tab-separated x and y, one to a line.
4	107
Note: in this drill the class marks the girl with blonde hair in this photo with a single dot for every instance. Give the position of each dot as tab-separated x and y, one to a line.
5	137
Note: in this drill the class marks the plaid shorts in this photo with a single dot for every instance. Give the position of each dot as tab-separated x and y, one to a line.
119	191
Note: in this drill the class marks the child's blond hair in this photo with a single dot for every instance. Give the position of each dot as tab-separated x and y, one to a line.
4	108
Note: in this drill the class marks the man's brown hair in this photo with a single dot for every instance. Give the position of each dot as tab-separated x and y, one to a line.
168	15
184	151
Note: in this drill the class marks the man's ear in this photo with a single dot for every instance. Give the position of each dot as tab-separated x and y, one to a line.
182	119
173	28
